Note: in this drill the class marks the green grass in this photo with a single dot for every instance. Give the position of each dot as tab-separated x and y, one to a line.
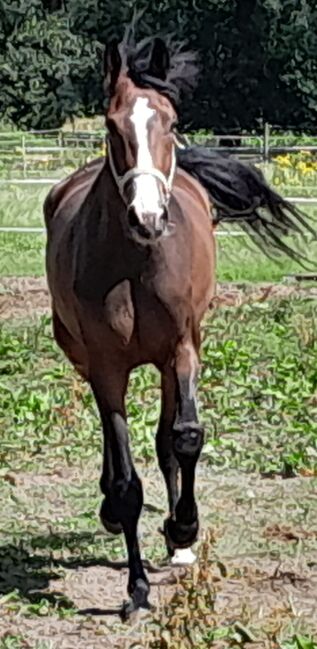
258	392
22	205
238	259
258	398
22	254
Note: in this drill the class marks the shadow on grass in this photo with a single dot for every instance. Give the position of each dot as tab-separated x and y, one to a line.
27	568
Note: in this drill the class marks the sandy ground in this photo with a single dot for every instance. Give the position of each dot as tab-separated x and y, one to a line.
260	541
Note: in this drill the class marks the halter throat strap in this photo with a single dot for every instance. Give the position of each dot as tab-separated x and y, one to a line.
122	180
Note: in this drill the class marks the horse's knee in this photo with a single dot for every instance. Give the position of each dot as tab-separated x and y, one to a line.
188	440
122	505
127	499
109	518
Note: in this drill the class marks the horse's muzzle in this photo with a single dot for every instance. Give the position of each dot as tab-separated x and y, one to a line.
149	227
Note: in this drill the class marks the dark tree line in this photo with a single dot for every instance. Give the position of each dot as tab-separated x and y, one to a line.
258	58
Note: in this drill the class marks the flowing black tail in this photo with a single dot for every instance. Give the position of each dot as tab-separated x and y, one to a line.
240	193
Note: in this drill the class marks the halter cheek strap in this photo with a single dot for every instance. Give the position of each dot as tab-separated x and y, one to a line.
121	181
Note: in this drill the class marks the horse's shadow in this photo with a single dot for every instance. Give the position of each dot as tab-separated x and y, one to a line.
26	573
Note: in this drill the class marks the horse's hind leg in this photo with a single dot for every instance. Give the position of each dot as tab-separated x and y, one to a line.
181	530
164	438
119	481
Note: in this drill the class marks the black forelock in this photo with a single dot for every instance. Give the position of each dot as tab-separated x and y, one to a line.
181	76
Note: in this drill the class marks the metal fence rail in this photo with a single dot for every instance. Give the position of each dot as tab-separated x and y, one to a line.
299	200
263	145
21	230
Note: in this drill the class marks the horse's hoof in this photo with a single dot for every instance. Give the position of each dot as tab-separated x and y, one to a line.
107	519
138	605
179	536
132	613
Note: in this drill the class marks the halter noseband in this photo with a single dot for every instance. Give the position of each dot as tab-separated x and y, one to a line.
121	181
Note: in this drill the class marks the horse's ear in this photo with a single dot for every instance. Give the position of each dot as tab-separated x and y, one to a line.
160	60
112	64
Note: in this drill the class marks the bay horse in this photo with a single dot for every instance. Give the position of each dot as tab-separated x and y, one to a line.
131	271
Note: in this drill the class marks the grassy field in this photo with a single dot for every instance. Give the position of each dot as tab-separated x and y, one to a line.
23	254
258	555
255	585
258	396
238	259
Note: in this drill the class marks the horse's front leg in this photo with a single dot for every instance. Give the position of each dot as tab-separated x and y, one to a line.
120	483
164	438
181	529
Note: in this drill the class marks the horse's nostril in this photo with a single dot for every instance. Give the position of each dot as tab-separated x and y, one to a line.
132	217
164	216
149	226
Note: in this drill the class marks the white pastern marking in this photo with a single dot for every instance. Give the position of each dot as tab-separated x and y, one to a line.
147	196
183	557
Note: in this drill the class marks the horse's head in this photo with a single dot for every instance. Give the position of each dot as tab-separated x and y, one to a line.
141	143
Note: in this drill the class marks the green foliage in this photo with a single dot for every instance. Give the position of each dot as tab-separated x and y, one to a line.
53	554
258	58
258	401
300	642
23	254
42	67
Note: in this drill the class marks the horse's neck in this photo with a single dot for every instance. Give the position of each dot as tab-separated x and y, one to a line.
106	254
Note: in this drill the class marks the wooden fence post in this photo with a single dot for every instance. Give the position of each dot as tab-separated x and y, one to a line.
61	144
24	156
266	151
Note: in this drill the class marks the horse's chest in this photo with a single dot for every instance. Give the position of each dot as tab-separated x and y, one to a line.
138	317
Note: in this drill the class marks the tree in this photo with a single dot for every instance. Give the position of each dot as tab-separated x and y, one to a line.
42	67
258	58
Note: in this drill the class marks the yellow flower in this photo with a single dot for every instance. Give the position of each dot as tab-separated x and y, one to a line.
302	167
283	160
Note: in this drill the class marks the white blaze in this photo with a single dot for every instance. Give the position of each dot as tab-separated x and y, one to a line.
147	196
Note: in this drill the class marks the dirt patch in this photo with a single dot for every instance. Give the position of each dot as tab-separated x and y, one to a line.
23	297
287	533
257	568
26	297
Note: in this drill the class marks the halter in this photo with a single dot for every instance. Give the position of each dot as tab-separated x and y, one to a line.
121	181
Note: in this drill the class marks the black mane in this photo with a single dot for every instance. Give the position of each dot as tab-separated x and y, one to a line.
181	77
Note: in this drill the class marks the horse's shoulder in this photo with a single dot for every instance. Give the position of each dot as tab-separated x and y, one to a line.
79	180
